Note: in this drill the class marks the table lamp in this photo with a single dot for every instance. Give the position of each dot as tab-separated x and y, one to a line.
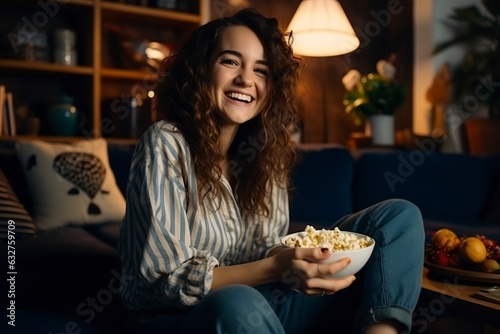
320	28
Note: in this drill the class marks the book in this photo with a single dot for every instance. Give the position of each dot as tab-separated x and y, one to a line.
491	294
10	114
2	106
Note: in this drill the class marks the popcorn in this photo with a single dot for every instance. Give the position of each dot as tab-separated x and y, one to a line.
335	240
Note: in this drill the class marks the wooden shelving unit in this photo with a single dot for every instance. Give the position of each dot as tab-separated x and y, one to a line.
102	73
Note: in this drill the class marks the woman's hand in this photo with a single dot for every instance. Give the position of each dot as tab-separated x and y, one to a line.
299	269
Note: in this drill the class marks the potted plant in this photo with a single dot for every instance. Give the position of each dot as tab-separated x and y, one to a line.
477	77
375	98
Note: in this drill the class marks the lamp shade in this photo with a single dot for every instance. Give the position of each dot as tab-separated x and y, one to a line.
321	28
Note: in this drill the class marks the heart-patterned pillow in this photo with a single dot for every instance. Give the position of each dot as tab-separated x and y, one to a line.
83	170
71	184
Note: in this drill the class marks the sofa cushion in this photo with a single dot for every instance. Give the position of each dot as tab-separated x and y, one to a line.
321	184
64	267
109	233
13	215
452	187
66	242
70	184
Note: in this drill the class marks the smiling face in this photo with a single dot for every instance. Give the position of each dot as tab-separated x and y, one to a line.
239	76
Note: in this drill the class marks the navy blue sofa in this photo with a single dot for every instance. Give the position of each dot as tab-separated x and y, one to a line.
458	191
67	278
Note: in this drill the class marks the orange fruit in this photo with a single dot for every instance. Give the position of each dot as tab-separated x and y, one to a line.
473	250
446	239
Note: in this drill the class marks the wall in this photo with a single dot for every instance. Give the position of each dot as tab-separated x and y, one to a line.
384	28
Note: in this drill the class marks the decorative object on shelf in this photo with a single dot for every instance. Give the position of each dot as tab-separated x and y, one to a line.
130	114
371	95
30	43
439	96
320	28
130	50
64	118
64	43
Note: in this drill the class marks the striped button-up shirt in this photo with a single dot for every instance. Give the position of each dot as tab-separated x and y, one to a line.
171	240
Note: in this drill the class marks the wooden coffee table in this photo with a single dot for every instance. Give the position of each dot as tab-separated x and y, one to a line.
440	295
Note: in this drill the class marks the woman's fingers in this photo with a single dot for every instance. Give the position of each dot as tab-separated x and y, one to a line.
312	278
305	260
326	269
319	286
309	254
309	276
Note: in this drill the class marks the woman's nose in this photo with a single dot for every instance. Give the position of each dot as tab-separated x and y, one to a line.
244	78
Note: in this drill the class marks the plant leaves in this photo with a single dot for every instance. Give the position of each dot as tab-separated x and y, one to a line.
479	31
459	39
493	7
467	14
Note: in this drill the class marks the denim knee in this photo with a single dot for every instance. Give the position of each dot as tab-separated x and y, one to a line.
410	214
405	212
401	206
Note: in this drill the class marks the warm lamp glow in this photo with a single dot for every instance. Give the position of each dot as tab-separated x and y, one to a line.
321	28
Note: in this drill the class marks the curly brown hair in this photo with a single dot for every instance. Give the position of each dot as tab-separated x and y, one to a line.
261	152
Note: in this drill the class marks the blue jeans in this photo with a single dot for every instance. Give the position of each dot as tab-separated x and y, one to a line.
387	288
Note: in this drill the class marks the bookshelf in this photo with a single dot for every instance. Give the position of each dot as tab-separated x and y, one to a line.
104	73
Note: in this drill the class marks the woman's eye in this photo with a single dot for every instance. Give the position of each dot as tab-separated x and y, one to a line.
229	62
262	71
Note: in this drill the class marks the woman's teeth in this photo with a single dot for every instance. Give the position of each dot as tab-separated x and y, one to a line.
239	97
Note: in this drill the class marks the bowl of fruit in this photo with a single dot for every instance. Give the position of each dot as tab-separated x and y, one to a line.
468	257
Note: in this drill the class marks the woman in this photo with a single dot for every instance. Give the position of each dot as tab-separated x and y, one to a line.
207	204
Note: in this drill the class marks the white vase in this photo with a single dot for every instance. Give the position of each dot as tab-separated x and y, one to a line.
382	130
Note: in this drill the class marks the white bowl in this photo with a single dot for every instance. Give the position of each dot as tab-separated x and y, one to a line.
358	257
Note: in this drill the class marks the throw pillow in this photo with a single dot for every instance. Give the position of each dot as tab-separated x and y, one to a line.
70	183
13	214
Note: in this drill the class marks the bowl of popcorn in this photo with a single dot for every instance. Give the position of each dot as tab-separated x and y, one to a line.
358	247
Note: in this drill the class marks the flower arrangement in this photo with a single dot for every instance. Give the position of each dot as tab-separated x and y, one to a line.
372	94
